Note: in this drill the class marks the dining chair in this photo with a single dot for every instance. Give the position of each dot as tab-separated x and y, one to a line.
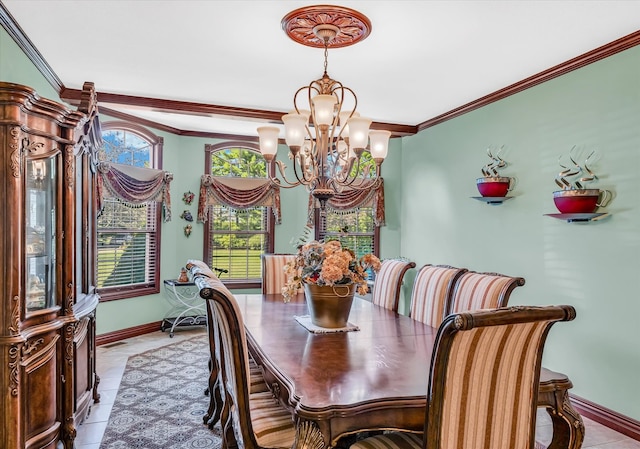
257	384
483	381
273	275
388	281
432	292
474	291
248	419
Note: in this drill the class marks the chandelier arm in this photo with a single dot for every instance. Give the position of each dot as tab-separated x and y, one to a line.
287	183
304	177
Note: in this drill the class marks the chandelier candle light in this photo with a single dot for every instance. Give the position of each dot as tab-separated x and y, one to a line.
327	138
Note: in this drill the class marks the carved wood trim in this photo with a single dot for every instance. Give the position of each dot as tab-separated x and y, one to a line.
69	333
14	382
69	160
308	436
612	419
30	346
68	306
35	361
16	160
81	331
14	328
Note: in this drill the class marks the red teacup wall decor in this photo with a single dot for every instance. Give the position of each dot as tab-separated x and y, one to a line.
576	202
492	186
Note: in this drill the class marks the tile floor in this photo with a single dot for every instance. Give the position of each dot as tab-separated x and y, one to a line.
112	358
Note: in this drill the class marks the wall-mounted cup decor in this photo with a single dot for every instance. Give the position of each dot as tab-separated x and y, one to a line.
492	186
575	201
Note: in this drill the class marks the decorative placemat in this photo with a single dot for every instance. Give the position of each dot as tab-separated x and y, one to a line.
305	321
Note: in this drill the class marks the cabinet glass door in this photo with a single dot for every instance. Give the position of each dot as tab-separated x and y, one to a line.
40	210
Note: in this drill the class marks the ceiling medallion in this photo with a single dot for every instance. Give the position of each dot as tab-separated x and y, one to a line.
350	25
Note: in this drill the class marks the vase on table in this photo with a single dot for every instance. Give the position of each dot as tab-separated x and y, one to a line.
329	305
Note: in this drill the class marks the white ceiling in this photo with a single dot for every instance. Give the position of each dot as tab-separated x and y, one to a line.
422	59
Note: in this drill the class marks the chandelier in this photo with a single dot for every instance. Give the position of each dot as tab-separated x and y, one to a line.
324	132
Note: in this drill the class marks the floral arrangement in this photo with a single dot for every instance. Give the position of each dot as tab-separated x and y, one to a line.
327	264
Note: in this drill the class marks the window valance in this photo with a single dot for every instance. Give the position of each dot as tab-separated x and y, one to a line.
351	199
134	186
237	193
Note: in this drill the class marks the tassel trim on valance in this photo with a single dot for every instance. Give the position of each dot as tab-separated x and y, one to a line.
134	186
351	200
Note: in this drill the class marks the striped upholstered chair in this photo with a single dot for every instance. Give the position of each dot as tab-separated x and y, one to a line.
474	291
432	292
255	418
273	276
388	281
483	381
257	383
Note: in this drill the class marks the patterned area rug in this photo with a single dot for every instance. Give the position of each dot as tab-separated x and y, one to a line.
161	401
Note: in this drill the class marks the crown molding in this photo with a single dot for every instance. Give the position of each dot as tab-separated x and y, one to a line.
617	46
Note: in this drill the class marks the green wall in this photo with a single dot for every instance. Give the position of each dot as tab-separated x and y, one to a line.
15	67
590	266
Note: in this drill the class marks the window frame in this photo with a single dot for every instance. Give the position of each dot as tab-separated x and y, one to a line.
132	291
210	149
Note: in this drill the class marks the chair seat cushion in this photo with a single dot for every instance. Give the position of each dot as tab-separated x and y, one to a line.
272	423
257	383
399	440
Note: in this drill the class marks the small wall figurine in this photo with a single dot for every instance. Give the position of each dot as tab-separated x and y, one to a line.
186	215
183	275
188	197
187	230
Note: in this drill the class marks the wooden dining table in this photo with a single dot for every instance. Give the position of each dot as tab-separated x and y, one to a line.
374	378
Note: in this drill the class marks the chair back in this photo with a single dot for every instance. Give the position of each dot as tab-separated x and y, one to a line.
247	420
273	275
386	286
484	377
432	292
475	291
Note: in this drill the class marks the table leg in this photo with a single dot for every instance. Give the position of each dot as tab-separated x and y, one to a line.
568	428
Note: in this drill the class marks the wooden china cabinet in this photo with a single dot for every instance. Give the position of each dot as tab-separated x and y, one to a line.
47	288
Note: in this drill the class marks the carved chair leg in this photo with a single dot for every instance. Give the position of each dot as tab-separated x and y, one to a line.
568	428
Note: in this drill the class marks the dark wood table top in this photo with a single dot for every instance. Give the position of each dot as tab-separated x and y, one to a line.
387	359
371	379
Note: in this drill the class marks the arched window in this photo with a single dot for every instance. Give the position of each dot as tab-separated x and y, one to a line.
128	239
235	239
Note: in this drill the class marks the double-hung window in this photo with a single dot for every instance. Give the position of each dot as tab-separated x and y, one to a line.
128	239
354	228
235	239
